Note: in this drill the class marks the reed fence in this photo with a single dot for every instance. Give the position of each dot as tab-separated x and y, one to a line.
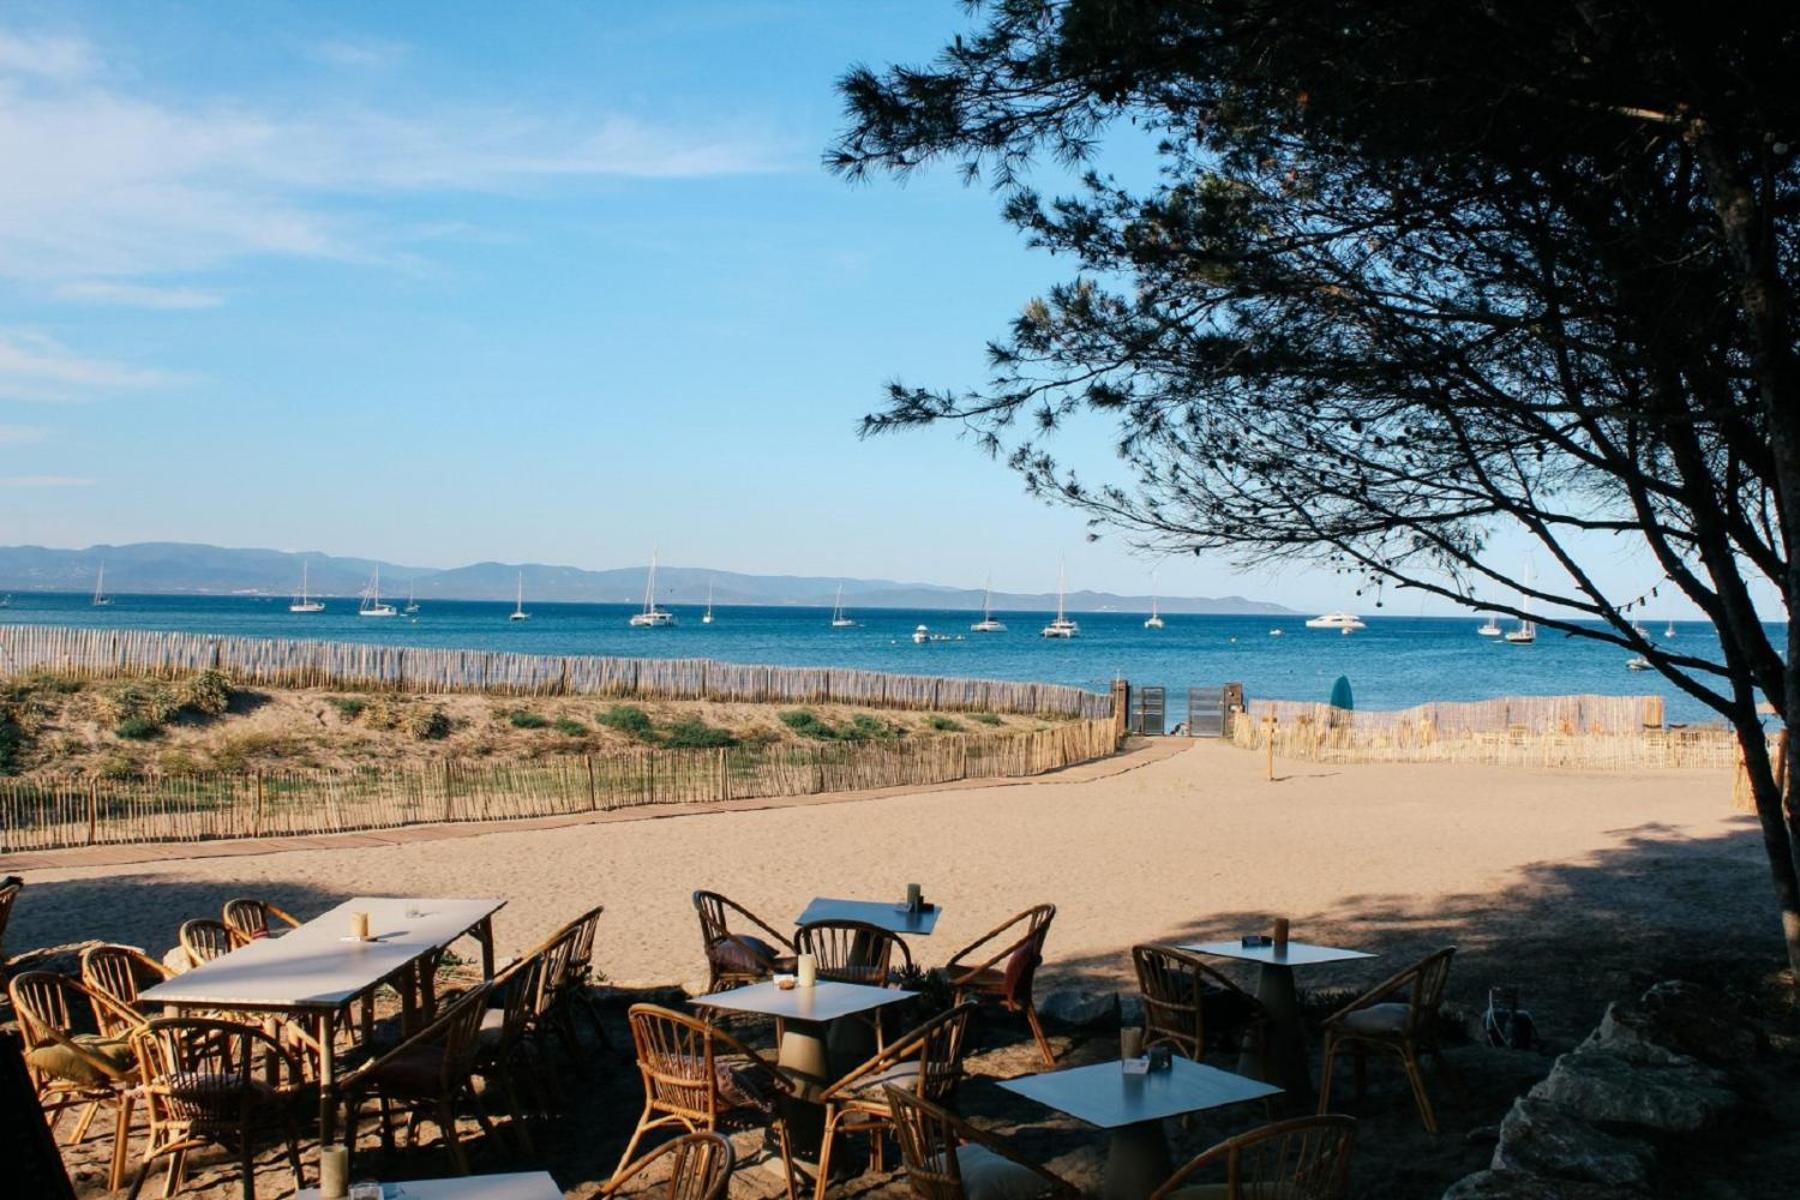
38	813
274	662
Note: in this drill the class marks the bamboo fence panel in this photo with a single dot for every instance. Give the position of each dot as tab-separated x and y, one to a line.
48	812
274	662
1568	715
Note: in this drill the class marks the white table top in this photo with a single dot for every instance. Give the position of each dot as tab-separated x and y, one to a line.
822	1002
889	915
1297	954
1104	1096
528	1185
315	966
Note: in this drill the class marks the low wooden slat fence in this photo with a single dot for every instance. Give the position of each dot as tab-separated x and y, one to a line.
274	662
38	813
1569	715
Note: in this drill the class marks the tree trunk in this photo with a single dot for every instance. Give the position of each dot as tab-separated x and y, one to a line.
1780	830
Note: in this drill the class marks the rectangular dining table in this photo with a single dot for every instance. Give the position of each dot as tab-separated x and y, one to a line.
316	970
893	916
519	1185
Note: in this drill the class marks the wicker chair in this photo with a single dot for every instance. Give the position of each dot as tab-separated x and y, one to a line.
700	1169
426	1075
211	1082
702	1079
70	1069
853	951
946	1158
1190	1006
927	1062
501	1039
1307	1158
571	991
1398	1015
204	940
118	974
249	917
10	887
1001	967
735	959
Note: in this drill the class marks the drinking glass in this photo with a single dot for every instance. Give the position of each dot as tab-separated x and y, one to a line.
366	1189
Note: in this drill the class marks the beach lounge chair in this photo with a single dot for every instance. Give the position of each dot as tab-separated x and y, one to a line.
1307	1158
211	1082
1189	1005
70	1068
1001	967
117	974
946	1158
249	917
734	959
1398	1015
928	1062
699	1169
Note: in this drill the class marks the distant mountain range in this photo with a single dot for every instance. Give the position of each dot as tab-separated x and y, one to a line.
180	568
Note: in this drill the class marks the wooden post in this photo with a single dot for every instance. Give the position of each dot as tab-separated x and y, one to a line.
723	790
256	813
593	793
447	805
1269	731
1121	696
93	811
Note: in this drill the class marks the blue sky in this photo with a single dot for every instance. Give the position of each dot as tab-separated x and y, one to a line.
554	282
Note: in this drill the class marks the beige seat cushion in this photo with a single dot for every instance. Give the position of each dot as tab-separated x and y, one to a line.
989	1176
1379	1020
905	1075
63	1063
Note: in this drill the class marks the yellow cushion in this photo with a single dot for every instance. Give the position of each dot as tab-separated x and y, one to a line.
63	1063
1379	1020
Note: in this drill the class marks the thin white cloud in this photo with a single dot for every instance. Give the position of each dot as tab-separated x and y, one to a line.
360	54
45	481
20	435
45	56
40	369
138	295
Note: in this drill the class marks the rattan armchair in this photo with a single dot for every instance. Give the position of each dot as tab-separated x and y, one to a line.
700	1168
735	959
117	974
701	1079
212	1082
426	1076
853	951
501	1044
1189	1005
927	1062
69	1068
1001	967
204	939
1307	1158
1399	1016
946	1158
248	917
570	989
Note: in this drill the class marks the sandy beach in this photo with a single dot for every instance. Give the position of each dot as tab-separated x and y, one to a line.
1569	884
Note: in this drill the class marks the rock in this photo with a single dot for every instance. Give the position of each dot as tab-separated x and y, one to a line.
1605	1088
1482	1135
1079	1009
1542	1138
1632	1034
1131	1009
1701	1022
1511	1185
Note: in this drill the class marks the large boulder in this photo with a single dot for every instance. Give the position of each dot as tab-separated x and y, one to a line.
1611	1089
1701	1022
1512	1185
1078	1009
1539	1137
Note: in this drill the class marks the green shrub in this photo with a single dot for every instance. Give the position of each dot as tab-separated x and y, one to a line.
986	718
150	699
628	718
693	733
524	718
571	727
944	724
865	727
12	744
428	724
384	713
208	693
348	707
807	723
137	728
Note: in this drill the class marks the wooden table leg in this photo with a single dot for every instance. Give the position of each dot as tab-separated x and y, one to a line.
327	1077
485	933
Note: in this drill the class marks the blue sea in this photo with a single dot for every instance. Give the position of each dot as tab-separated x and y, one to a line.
1395	662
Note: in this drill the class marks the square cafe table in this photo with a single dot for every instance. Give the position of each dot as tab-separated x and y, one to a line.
1132	1108
1284	1052
315	970
525	1185
893	916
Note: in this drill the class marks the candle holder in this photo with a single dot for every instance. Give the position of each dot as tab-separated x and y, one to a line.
806	970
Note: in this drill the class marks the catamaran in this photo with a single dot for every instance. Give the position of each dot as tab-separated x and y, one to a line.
1154	620
652	616
101	599
304	603
838	619
1346	621
1062	627
518	612
987	624
706	618
371	600
1489	628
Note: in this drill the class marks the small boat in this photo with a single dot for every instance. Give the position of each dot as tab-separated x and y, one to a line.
412	606
1524	635
706	618
1348	622
6	600
921	635
1669	631
303	603
1489	628
838	619
987	624
652	617
1154	620
1062	627
518	612
1637	627
1272	633
101	599
371	600
1637	663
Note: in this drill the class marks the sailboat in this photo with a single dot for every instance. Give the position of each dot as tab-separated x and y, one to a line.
518	612
1154	620
1669	631
304	603
1062	627
1490	627
1526	633
371	600
652	616
412	606
987	624
706	618
838	619
101	599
